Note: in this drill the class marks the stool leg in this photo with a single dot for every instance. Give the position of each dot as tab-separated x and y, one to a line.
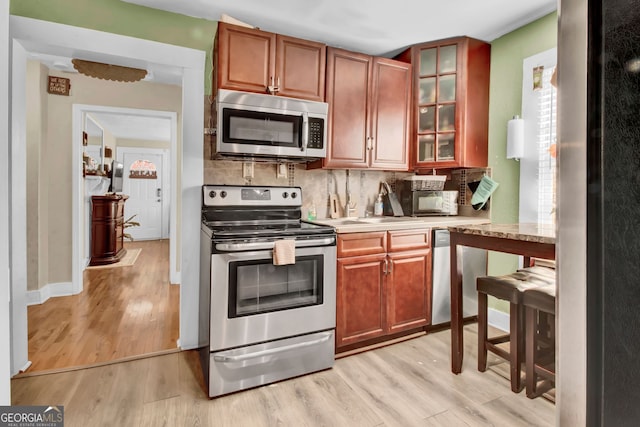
482	331
531	344
515	345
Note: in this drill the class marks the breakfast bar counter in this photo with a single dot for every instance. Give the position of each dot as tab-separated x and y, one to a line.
528	240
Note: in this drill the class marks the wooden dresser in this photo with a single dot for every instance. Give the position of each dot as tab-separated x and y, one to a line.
107	229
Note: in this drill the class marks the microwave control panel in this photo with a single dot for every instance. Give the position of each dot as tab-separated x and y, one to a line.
316	133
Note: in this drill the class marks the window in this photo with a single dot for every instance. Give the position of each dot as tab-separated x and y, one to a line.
538	165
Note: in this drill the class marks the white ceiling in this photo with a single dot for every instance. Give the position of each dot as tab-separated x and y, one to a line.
376	27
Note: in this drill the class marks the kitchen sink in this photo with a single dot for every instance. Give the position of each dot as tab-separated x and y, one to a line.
384	219
366	220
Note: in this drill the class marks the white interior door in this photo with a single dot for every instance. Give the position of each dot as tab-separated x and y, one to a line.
143	182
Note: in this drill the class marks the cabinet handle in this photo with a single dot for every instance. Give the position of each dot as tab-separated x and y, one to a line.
390	270
386	267
271	89
369	143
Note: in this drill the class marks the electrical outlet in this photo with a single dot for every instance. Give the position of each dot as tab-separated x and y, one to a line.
281	170
247	170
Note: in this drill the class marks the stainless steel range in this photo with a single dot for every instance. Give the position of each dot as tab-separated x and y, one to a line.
262	320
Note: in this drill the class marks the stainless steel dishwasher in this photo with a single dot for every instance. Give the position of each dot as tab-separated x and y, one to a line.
474	263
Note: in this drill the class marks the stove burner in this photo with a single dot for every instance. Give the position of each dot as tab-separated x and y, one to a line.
239	216
268	230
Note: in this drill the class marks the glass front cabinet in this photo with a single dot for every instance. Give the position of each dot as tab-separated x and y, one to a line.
450	102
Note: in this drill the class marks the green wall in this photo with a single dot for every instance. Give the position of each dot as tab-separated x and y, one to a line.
505	101
118	17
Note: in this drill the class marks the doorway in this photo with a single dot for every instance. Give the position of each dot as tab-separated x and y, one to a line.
28	36
144	181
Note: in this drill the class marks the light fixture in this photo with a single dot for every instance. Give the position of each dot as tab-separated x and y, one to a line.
515	138
108	71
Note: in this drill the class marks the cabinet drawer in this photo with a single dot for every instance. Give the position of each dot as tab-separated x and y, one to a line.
355	244
408	240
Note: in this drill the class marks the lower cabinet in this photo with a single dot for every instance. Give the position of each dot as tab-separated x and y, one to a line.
383	285
107	229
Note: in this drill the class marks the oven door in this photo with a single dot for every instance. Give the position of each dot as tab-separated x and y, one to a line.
254	301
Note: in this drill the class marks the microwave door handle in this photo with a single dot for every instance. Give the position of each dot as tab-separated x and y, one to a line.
305	131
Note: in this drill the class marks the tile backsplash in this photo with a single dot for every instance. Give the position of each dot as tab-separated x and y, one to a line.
316	184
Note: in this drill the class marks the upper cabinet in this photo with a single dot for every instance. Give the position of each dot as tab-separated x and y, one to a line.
369	111
451	103
252	60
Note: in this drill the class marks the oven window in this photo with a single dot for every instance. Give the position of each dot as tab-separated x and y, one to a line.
260	128
259	286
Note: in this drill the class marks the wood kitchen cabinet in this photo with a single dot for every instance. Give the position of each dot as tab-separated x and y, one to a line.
107	229
369	111
383	285
252	60
450	103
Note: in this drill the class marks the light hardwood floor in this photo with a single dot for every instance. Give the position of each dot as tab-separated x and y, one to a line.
121	313
404	384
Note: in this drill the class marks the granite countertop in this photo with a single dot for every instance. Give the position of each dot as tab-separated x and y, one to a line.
530	232
389	223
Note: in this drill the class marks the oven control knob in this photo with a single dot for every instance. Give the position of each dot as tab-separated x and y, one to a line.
212	194
285	195
294	195
223	194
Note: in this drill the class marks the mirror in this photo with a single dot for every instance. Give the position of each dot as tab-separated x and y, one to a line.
94	149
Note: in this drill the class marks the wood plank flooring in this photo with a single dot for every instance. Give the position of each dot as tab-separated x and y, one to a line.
122	312
404	384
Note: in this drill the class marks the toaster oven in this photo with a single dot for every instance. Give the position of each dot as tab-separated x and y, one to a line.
428	202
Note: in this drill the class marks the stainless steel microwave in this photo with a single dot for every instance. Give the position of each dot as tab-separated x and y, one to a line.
260	125
429	202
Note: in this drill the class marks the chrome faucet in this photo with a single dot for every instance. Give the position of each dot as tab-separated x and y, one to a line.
350	207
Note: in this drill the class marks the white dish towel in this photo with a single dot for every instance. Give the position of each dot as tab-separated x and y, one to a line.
284	252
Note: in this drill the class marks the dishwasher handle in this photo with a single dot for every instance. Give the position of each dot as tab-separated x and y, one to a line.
441	238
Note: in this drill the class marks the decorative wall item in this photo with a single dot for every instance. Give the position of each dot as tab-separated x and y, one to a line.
537	77
108	71
59	86
143	169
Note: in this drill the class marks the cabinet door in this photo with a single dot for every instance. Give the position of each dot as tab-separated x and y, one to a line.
360	303
451	103
348	84
390	109
245	58
300	68
408	290
437	103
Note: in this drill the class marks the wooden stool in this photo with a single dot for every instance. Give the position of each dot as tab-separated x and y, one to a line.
509	288
540	305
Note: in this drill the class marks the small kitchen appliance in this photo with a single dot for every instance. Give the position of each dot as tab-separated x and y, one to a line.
262	320
424	196
266	126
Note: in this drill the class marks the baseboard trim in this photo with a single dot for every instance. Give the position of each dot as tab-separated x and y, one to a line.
50	290
24	373
498	319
